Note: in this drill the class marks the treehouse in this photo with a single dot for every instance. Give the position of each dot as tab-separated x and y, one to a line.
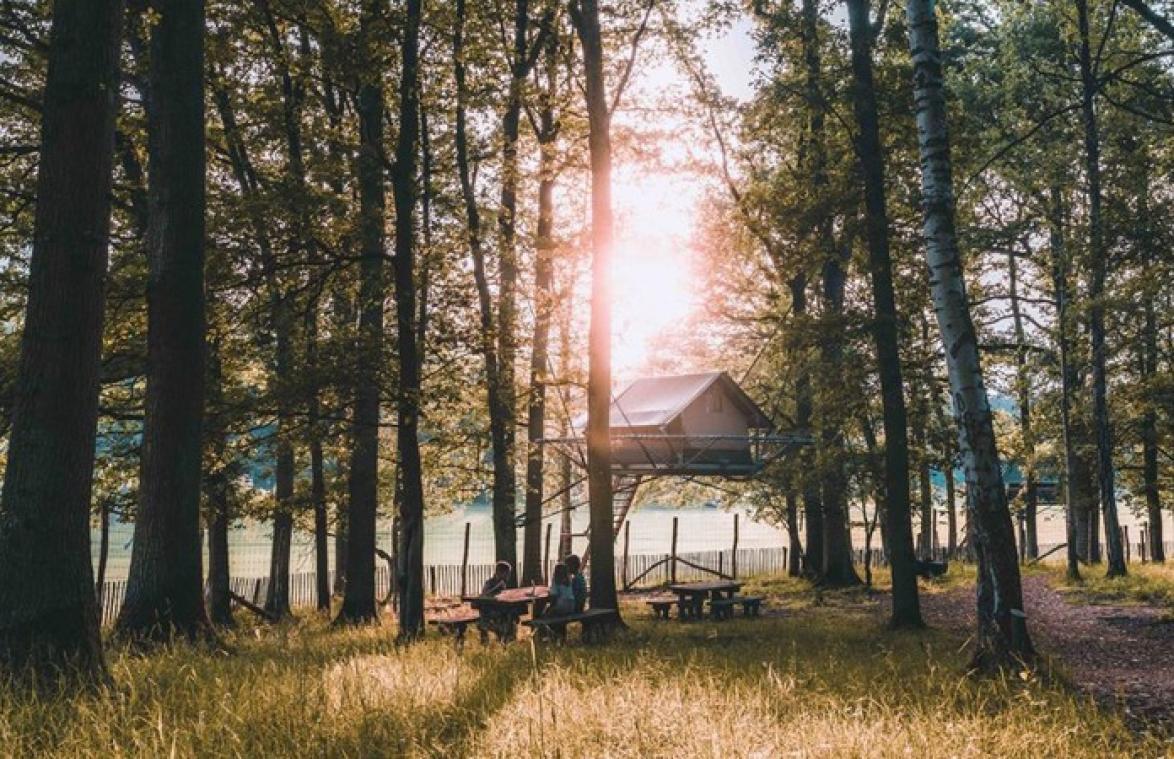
690	425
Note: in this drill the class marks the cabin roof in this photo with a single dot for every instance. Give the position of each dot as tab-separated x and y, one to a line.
657	401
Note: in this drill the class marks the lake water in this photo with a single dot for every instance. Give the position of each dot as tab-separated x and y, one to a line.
699	529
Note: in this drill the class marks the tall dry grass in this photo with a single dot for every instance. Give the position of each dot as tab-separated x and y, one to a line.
822	679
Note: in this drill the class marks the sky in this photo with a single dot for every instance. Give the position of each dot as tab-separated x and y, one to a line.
654	277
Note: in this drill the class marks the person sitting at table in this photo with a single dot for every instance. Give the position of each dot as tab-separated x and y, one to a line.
562	597
497	623
578	581
499	581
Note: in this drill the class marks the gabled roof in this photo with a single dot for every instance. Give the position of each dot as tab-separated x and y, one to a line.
657	401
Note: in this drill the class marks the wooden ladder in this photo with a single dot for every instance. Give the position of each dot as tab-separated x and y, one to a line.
623	495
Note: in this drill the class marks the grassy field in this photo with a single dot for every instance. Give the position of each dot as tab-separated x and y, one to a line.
823	678
1150	584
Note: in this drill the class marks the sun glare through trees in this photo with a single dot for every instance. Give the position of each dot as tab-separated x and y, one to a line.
586	378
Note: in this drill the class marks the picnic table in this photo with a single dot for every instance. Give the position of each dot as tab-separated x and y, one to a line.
500	613
691	596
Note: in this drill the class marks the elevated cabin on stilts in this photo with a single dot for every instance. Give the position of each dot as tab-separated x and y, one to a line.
689	425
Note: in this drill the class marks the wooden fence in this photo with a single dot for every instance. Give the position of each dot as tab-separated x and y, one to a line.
632	572
446	579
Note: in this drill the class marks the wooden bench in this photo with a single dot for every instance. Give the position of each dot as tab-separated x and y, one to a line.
455	624
723	608
930	569
661	605
556	626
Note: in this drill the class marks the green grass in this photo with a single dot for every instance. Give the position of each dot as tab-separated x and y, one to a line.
1149	584
823	679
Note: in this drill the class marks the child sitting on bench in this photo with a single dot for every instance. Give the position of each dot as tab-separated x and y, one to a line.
562	598
578	582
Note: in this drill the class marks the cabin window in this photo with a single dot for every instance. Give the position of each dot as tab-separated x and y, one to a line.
713	402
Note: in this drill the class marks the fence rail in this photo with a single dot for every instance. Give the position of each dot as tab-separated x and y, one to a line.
651	570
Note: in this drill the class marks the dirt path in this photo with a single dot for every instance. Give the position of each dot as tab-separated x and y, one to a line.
1122	655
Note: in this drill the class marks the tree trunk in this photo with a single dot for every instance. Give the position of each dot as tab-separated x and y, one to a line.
602	544
358	603
318	483
410	580
543	305
795	554
835	557
277	594
921	463
1067	376
48	609
897	526
1098	271
217	485
812	502
164	595
505	488
951	511
1150	369
1002	636
103	546
500	412
1023	392
566	503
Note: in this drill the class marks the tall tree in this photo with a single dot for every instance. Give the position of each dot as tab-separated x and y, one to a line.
216	490
1059	271
408	403
547	130
164	595
897	525
1026	430
1002	629
835	564
1098	271
358	604
48	612
585	14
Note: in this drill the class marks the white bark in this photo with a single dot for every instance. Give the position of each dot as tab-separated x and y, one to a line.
1000	591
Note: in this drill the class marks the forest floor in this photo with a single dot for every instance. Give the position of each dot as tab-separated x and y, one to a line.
1111	638
818	675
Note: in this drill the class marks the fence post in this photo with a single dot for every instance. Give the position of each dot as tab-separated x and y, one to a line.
627	529
734	555
432	577
673	555
465	562
1125	542
546	556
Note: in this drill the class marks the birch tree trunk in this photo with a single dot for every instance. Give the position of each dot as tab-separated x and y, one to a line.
48	609
1002	634
897	526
